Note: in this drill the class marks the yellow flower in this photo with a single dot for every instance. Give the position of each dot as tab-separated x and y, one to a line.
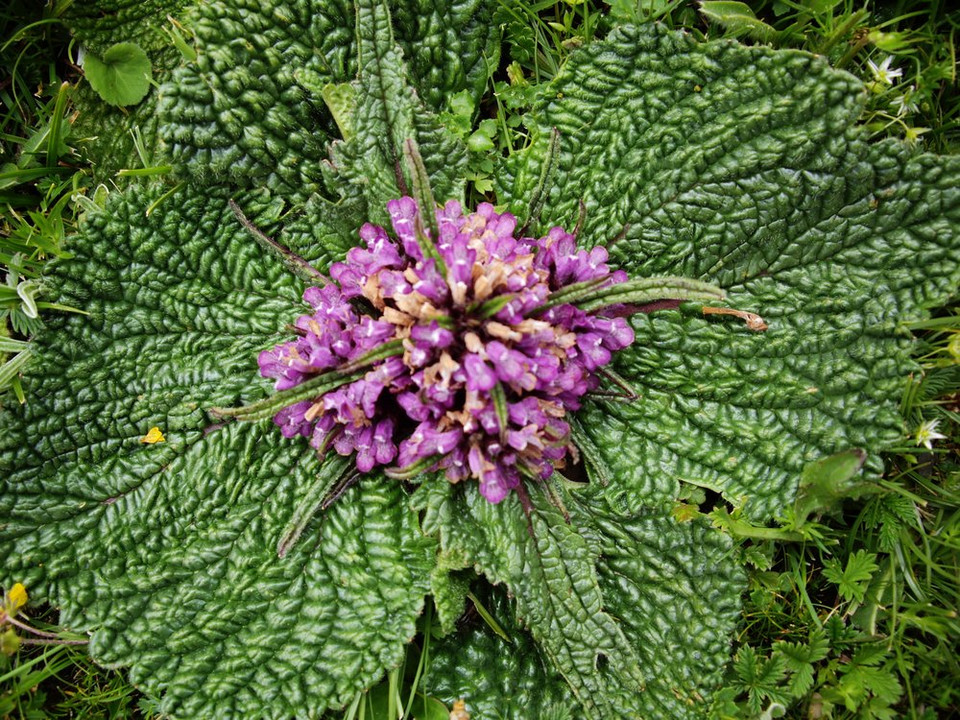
16	598
154	436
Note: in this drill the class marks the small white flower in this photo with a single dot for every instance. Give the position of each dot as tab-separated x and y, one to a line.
927	433
905	103
882	73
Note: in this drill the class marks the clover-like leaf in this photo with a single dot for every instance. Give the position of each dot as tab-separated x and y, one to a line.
121	76
109	132
738	166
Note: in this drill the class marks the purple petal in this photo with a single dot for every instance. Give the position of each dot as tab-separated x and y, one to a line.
291	420
478	374
403	215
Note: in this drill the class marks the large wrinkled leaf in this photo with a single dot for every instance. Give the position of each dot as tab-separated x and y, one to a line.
451	45
366	170
368	167
496	679
253	111
549	569
737	165
102	23
168	550
674	589
248	109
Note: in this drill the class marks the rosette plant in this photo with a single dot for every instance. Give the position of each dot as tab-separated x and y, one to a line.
238	567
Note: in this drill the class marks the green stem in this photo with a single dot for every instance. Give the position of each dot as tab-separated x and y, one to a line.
499	398
540	192
381	352
488	618
269	406
645	290
312	503
743	529
571	293
491	307
426	237
412	470
312	388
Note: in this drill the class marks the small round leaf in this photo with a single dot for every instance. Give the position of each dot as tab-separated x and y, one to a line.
121	76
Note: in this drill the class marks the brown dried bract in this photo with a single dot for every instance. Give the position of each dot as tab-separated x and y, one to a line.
754	322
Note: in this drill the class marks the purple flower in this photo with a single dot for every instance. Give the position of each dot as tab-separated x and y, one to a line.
483	376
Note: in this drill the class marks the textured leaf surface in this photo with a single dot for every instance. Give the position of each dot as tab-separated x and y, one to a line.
451	45
170	548
102	23
737	165
368	167
730	164
242	111
496	679
550	571
674	589
251	108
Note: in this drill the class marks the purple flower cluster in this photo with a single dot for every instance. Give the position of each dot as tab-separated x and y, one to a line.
484	374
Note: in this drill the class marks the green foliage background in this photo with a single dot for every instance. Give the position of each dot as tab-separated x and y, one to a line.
853	616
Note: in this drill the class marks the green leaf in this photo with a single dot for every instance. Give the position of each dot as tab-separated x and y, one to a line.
168	551
498	681
737	166
867	681
388	114
675	587
826	481
450	587
342	101
240	111
799	659
428	708
890	514
549	570
738	18
760	678
121	76
106	129
98	24
451	46
853	579
668	598
251	107
883	684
